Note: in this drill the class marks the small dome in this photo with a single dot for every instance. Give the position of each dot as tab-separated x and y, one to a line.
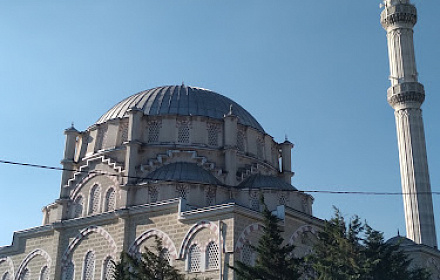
182	172
400	240
259	181
181	100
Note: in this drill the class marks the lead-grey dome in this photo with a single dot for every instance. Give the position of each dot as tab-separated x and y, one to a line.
181	100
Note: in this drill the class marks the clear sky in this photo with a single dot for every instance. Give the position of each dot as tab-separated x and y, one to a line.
316	71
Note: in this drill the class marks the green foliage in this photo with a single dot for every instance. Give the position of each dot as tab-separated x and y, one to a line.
149	265
274	262
354	251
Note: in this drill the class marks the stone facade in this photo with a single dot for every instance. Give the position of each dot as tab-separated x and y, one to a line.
191	178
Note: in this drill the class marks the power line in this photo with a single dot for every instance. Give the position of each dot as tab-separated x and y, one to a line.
98	172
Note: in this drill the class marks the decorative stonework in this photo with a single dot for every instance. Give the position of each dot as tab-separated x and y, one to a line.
241	140
166	242
182	190
154	131
213	132
406	13
123	131
10	264
406	92
183	131
191	233
243	238
210	195
23	266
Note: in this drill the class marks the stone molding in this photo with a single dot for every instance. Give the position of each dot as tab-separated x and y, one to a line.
186	243
166	242
300	230
245	233
10	263
29	257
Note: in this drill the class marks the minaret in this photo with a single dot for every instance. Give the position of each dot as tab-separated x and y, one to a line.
406	96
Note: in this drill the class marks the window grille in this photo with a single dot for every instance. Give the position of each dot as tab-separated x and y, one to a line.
153	131
247	254
282	200
44	274
255	202
213	131
78	207
110	200
6	276
25	274
153	193
260	148
109	269
95	199
183	133
89	266
165	254
194	258
210	197
182	191
212	259
123	130
68	271
240	140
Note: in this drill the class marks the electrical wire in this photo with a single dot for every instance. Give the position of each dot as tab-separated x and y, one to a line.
98	172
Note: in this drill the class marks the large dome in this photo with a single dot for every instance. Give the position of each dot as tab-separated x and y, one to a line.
181	100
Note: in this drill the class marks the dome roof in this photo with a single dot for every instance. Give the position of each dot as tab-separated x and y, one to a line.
182	172
400	240
259	181
181	100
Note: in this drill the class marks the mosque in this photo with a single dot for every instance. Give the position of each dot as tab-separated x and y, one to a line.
187	165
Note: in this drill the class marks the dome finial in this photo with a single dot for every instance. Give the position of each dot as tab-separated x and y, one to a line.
398	232
183	83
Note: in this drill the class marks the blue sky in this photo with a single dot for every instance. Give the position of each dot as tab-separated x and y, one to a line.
316	71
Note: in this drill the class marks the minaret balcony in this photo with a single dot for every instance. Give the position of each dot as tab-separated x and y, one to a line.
406	92
402	13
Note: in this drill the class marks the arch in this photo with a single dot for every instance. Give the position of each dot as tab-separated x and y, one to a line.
109	199
95	197
108	268
245	233
192	231
29	257
166	242
88	270
78	206
10	264
301	230
83	233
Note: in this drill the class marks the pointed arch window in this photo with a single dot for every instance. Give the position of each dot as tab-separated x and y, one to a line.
78	207
68	271
108	269
95	199
110	200
44	274
212	259
89	266
6	276
194	258
25	274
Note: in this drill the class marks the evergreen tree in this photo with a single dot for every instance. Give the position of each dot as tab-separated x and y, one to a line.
354	251
149	265
274	261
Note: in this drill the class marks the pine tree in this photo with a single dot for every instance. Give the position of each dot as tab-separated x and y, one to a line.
274	261
149	265
355	251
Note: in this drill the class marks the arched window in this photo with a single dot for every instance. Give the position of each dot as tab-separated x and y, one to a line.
25	274
153	193
78	207
89	266
95	199
183	132
44	274
108	269
6	276
110	200
254	201
247	254
212	259
68	271
194	258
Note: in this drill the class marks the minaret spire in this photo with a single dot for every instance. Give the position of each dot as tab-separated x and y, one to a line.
406	96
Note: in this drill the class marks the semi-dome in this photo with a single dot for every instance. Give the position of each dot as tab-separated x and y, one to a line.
181	100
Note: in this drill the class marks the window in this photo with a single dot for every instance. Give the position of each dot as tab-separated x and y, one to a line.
194	258
108	269
6	276
183	132
210	197
89	266
247	254
110	200
44	274
153	193
254	201
213	131
241	140
123	130
212	259
101	139
78	207
165	254
153	131
182	191
260	148
68	271
95	199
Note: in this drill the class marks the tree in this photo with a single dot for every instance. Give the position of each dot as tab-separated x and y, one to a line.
274	261
150	265
353	250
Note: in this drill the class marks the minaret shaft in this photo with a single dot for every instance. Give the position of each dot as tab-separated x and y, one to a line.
406	96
